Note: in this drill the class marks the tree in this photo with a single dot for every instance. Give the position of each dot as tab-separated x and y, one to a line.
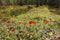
7	2
0	2
19	2
25	1
54	3
37	3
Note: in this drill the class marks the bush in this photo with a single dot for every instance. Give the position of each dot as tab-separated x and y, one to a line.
58	11
13	10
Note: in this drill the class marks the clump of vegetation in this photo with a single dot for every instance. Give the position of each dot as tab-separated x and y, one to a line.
36	24
58	11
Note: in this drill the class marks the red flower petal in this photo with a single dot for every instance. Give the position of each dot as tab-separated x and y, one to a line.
46	21
3	20
32	22
9	21
11	31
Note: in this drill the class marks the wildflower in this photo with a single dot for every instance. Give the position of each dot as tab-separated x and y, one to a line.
11	30
9	21
32	22
46	21
18	22
3	20
50	33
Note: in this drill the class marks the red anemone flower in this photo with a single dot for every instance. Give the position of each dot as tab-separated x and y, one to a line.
46	21
11	30
3	20
32	22
9	21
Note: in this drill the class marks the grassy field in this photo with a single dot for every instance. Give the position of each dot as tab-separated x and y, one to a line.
20	23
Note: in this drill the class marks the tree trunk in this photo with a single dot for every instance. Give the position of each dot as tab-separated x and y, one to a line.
37	3
0	2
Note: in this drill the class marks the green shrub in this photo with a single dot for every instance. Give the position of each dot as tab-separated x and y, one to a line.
58	11
17	12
